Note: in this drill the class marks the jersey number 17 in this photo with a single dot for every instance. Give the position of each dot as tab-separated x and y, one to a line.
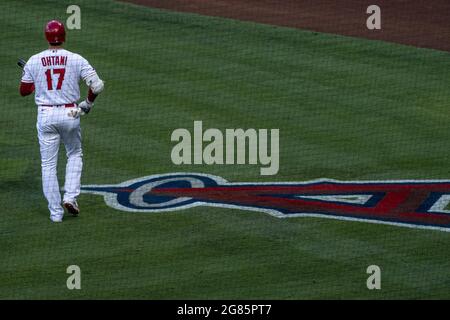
59	72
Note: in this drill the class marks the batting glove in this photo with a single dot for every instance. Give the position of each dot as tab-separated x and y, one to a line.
83	108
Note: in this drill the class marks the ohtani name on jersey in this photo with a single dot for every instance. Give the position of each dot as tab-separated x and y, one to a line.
54	61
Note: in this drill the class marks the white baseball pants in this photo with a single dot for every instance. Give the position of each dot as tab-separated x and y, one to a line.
54	125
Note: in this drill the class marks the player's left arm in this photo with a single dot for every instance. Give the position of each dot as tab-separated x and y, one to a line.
96	86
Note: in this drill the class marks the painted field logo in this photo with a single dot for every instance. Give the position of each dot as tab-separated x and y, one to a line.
414	203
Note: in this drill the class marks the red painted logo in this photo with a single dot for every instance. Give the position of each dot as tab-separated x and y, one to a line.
414	203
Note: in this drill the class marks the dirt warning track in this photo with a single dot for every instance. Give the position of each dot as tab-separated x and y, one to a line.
412	22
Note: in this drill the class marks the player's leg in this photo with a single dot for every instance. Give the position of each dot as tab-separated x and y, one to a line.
49	140
71	136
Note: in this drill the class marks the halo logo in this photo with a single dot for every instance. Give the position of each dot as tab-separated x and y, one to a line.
410	203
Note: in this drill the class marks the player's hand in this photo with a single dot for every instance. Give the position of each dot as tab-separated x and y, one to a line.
86	106
83	108
21	63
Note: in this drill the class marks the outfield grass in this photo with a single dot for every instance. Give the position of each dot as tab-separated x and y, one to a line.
346	108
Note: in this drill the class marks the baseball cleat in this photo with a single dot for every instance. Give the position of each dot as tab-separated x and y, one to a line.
72	207
56	219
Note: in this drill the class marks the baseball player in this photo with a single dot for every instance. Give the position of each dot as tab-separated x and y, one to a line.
54	75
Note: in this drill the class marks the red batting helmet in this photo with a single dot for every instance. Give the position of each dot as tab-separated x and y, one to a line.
55	32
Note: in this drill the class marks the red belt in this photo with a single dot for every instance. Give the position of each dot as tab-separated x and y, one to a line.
70	105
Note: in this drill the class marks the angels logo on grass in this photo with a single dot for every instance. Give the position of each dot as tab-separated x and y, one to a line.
410	203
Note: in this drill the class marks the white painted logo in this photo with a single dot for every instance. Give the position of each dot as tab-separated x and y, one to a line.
387	202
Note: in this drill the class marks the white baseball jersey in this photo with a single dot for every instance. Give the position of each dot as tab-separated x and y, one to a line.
56	74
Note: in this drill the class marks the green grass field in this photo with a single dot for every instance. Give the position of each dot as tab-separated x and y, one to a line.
348	109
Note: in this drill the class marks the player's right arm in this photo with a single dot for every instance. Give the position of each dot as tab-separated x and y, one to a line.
26	89
27	82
